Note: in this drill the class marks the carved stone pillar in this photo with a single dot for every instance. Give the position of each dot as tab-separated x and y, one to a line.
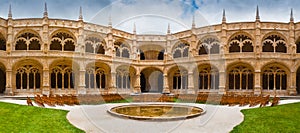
112	88
81	84
292	89
166	88
137	85
222	82
257	83
9	90
46	82
191	87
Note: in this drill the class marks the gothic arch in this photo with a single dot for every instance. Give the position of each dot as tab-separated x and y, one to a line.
28	40
97	75
95	44
63	74
241	42
27	74
274	42
207	77
178	78
122	49
180	49
209	45
63	40
240	76
275	76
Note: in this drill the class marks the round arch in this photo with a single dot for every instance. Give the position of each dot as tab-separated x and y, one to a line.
240	76
27	74
151	80
275	76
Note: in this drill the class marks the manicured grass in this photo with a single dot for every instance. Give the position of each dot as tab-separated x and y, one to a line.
278	119
20	118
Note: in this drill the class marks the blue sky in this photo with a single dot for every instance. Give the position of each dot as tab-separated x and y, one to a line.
155	13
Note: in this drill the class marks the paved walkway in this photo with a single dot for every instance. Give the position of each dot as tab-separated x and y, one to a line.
94	118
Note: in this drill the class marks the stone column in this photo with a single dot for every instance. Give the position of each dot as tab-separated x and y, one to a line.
9	89
257	83
137	85
46	82
81	84
166	88
222	82
292	89
112	88
191	87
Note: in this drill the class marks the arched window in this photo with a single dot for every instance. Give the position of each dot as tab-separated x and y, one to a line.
180	80
28	41
274	43
240	43
240	77
62	76
208	78
95	78
122	50
62	41
94	45
181	50
2	43
28	77
209	46
123	79
274	78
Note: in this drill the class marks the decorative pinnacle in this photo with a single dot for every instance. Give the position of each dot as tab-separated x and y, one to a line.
80	13
134	28
9	12
257	14
45	10
109	21
224	16
169	30
193	22
292	16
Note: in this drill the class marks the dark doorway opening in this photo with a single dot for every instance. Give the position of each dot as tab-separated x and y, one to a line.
2	81
151	80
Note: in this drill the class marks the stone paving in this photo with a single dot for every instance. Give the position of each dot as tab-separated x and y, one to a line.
95	119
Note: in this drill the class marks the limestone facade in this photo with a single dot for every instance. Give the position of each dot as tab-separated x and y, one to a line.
54	56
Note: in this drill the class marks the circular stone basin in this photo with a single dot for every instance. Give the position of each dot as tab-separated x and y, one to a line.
156	111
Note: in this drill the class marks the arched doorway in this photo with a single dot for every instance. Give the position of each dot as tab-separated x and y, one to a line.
298	81
2	81
151	80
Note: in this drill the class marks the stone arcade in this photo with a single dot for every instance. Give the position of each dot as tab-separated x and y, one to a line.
54	56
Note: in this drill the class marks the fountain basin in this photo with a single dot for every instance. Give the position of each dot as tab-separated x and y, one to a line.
156	111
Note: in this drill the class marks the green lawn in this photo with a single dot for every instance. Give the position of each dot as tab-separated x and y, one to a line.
20	118
278	119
